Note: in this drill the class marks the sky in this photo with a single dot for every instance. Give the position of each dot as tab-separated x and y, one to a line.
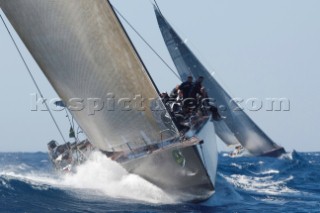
255	49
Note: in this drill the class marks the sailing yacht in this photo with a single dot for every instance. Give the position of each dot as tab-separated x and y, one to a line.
236	128
85	53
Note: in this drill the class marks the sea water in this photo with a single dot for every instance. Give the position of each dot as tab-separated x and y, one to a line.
28	183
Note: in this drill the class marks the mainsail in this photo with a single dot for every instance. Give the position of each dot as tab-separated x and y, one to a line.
86	55
236	126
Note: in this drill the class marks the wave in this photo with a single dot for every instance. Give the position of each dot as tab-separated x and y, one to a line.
103	184
261	185
106	176
98	176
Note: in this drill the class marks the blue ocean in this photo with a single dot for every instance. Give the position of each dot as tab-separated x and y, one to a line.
28	183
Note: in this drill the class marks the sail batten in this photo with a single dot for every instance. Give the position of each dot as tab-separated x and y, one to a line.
87	57
236	126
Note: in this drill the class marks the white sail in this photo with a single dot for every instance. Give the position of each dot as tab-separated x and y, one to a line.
236	126
85	53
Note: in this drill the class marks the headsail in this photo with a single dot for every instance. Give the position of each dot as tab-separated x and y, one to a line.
236	126
89	60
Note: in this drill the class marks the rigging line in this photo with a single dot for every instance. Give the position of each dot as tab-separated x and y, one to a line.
157	6
67	115
142	38
133	47
71	122
73	127
33	79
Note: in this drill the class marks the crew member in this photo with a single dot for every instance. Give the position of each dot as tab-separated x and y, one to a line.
186	87
197	89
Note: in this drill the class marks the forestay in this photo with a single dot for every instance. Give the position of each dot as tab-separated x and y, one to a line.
84	52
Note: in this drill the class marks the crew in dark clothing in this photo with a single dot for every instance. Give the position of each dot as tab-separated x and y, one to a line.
197	88
198	92
186	87
165	97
